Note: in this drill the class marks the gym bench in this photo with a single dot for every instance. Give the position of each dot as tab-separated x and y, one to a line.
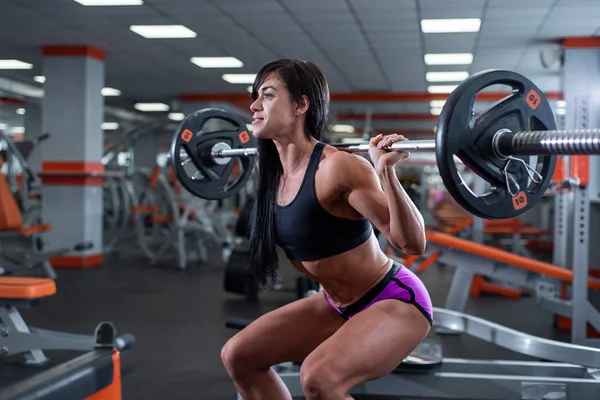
16	337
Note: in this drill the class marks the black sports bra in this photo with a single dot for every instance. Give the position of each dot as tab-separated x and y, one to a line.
308	232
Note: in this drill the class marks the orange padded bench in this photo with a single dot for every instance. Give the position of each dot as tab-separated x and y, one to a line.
26	288
34	229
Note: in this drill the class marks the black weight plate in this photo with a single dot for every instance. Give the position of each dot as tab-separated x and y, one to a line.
469	137
210	180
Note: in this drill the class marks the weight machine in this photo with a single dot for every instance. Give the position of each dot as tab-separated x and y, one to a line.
119	194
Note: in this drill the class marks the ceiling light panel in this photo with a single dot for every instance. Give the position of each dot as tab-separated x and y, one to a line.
163	31
450	25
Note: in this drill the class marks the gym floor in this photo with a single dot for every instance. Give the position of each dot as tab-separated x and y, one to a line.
178	319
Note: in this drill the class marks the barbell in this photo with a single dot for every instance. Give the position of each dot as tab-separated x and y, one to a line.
512	145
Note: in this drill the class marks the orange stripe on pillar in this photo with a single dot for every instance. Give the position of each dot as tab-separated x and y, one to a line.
11	101
72	166
74	51
89	261
72	173
581	43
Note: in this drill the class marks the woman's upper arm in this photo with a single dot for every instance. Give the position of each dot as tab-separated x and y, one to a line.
361	189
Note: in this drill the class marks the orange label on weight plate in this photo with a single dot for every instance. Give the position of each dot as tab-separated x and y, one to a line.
520	200
186	135
244	137
533	99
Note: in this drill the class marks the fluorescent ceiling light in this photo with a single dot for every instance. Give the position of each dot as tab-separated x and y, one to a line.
110	126
110	2
40	79
435	111
217	62
239	78
249	127
561	111
441	88
107	91
449	59
450	25
561	103
437	103
3	126
163	31
249	89
14	64
446	76
342	128
149	107
20	111
176	116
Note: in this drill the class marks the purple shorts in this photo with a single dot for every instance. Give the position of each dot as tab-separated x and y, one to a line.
399	283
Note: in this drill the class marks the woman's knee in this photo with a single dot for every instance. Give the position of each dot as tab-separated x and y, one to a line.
236	356
320	380
239	354
228	353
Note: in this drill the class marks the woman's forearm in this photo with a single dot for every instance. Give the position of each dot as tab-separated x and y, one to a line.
407	226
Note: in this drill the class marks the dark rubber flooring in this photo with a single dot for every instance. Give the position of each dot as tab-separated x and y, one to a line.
178	320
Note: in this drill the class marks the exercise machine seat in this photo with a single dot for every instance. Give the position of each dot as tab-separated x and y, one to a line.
12	287
34	229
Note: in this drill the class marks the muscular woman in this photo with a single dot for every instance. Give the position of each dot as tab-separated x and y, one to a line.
318	204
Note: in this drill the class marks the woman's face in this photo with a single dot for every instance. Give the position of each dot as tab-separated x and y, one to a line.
274	111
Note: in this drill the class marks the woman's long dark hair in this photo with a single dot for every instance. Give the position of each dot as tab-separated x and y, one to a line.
301	78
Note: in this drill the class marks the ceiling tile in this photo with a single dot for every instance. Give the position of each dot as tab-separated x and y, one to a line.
384	18
516	16
451	12
519	3
315	6
384	5
451	4
562	12
329	20
249	7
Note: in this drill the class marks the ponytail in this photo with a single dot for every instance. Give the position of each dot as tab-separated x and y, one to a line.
263	250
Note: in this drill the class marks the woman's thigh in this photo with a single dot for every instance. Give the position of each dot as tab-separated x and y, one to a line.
288	333
371	344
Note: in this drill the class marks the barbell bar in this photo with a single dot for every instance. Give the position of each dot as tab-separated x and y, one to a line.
504	144
222	150
496	144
